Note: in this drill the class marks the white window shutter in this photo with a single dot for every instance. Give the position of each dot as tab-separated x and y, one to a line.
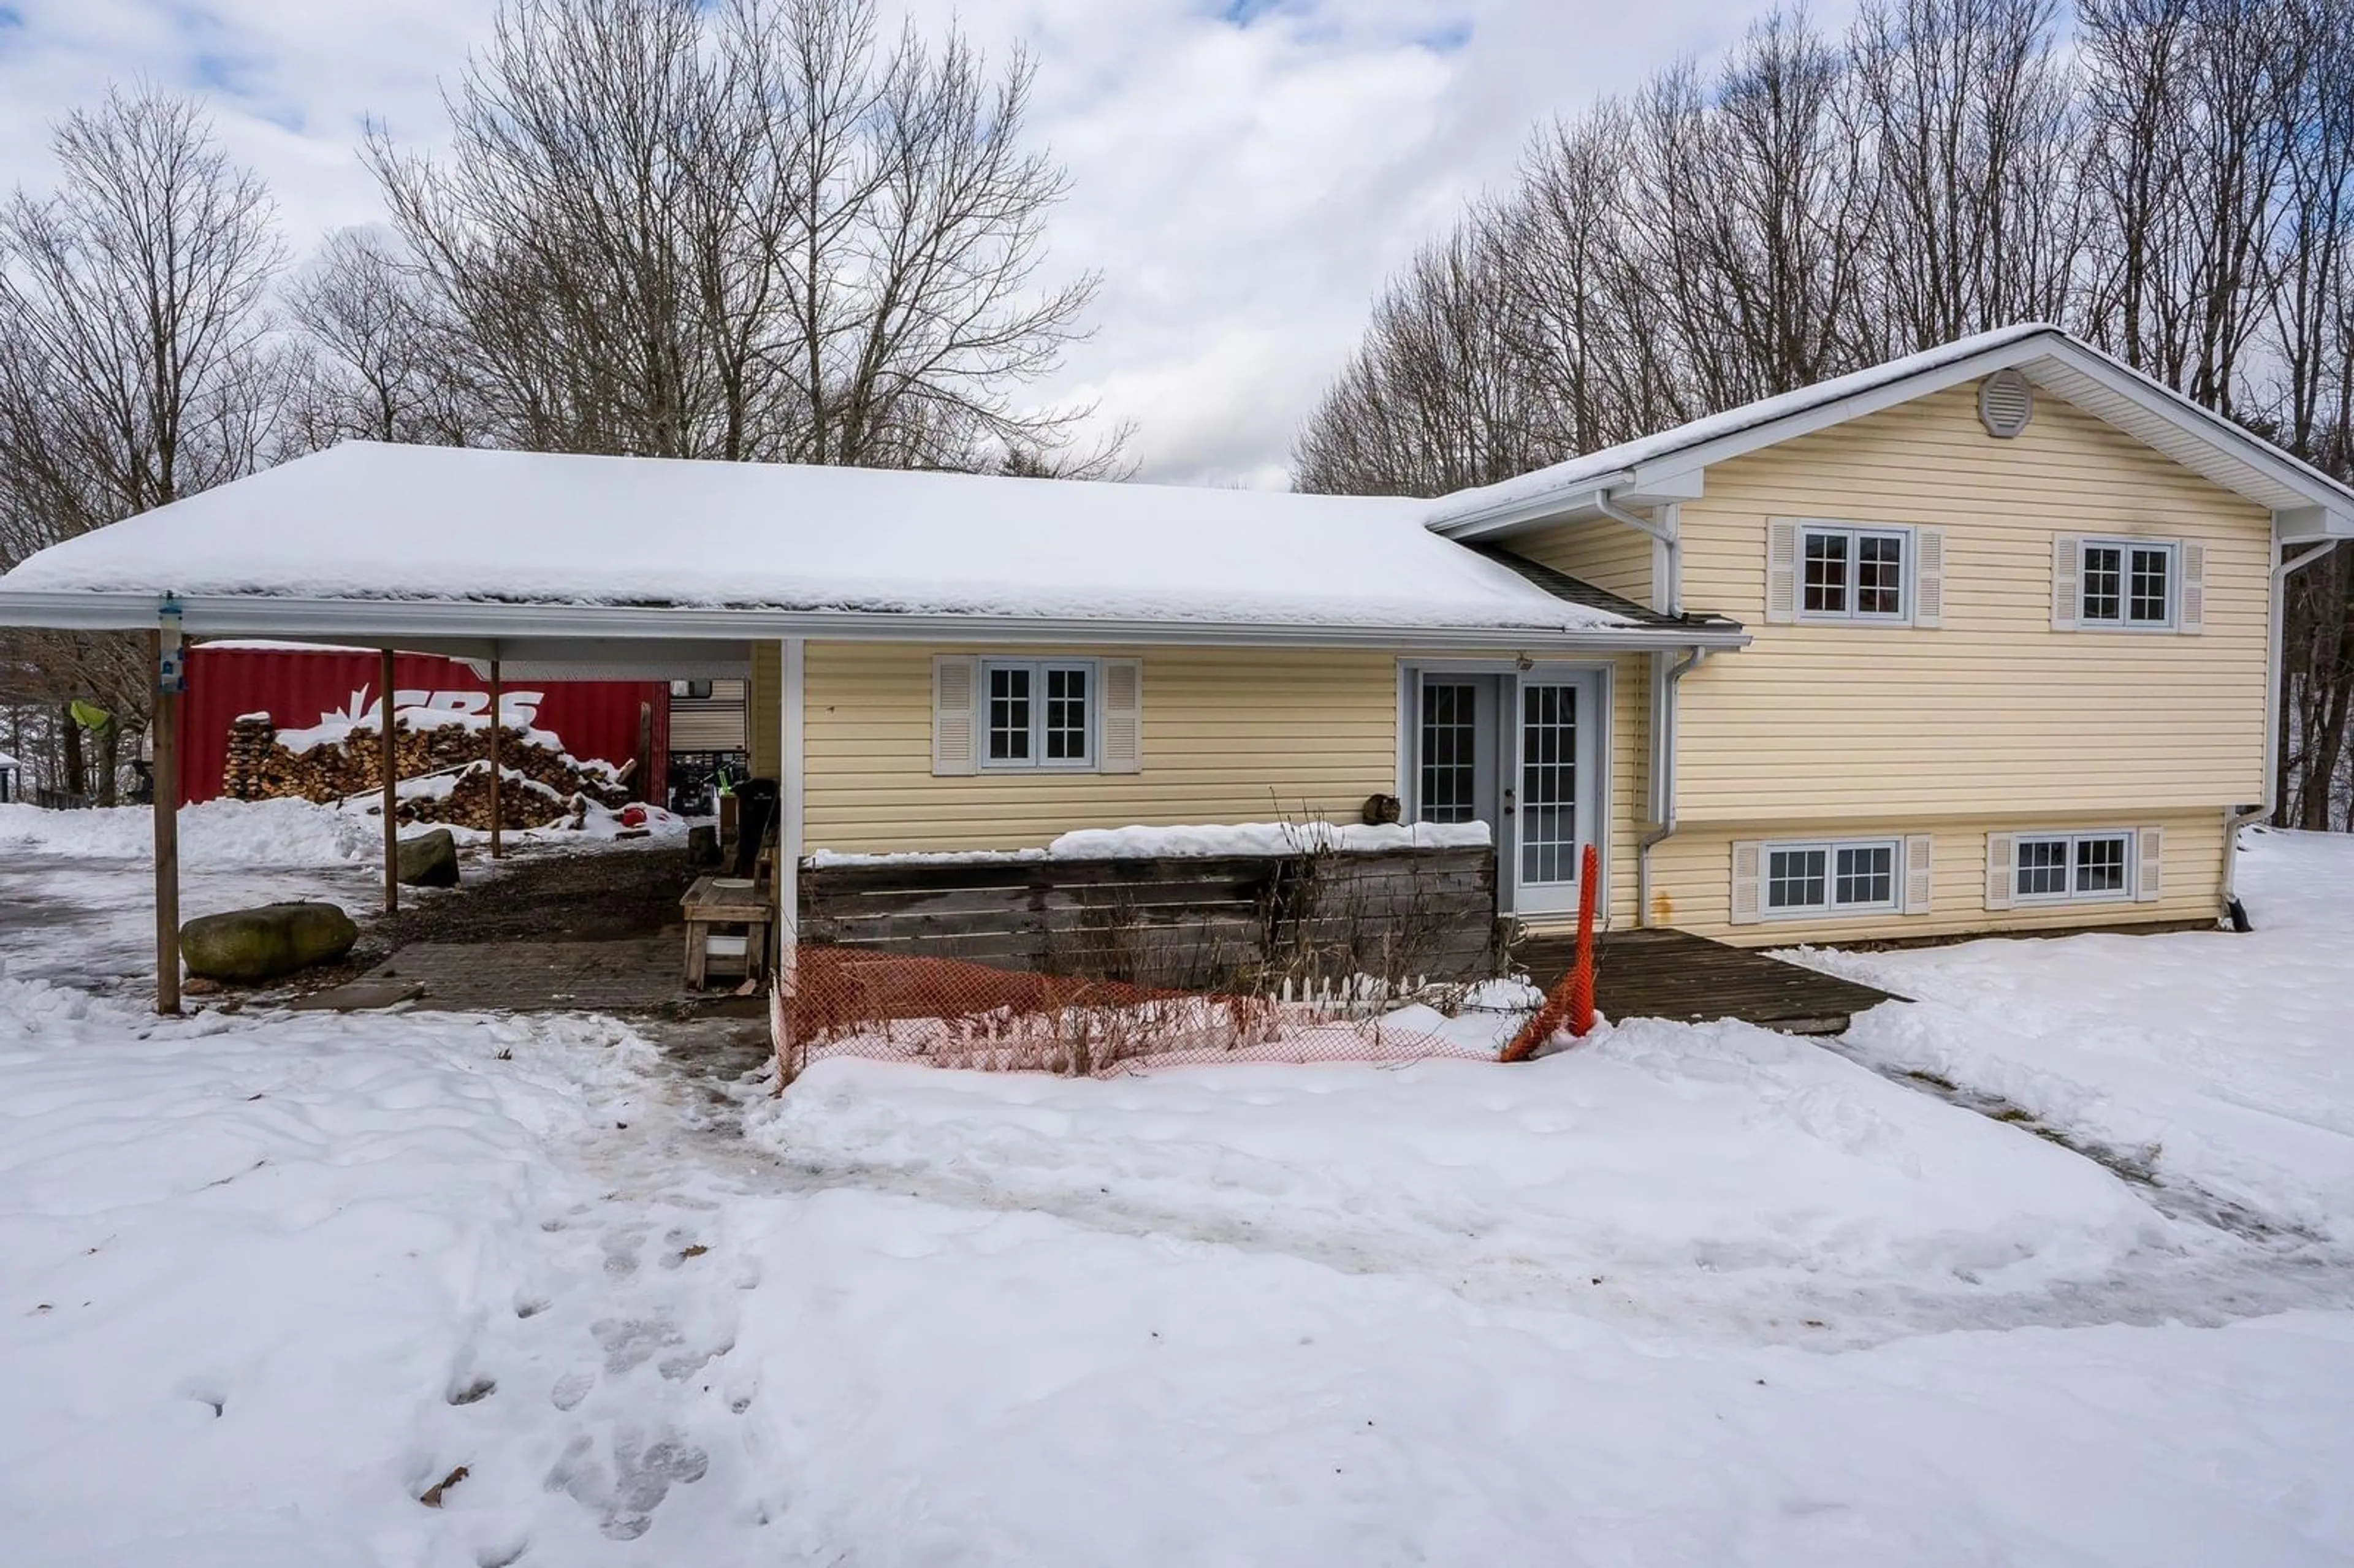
1781	570
1748	881
1929	577
1998	871
2067	563
1123	715
2193	615
1918	883
2149	886
955	677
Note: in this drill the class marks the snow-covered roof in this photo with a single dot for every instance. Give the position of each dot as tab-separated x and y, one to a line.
369	520
6	760
2102	386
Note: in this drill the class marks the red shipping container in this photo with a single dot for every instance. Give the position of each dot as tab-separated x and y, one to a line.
299	687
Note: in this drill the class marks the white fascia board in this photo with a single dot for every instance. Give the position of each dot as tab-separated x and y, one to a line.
1687	464
2289	472
1575	504
472	629
1665	481
2312	526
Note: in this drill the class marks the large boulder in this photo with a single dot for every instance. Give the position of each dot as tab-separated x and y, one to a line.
253	945
429	859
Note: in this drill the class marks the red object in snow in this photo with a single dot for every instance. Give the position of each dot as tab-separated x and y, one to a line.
1571	1005
633	816
298	687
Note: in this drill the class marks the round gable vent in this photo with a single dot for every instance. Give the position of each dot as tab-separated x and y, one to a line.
2006	402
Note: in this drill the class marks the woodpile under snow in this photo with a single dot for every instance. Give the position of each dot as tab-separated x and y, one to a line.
444	771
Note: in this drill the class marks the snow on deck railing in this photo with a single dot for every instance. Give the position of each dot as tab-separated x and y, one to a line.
1202	840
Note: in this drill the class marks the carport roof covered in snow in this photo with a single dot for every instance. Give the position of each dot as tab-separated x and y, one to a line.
373	542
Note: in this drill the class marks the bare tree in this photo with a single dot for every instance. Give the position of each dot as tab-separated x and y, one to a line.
739	231
371	362
1970	121
134	361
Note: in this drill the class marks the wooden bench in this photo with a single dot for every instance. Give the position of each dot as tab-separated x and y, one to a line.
724	901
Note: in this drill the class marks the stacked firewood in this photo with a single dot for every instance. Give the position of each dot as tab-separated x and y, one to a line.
525	802
544	786
250	742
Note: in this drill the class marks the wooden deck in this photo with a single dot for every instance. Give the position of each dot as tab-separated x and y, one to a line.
1666	973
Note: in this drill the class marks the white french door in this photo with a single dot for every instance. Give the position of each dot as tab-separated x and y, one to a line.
1556	749
1520	750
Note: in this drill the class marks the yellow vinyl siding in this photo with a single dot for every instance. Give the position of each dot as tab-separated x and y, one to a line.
1692	876
763	716
1230	735
1995	714
1611	556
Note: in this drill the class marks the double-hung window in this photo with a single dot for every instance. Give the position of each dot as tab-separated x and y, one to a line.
2127	583
2073	868
1849	876
1854	574
1038	713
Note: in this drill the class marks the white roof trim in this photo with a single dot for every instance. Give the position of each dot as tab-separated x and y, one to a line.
474	629
2104	387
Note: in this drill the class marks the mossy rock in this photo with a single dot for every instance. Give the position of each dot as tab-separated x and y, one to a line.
429	859
248	945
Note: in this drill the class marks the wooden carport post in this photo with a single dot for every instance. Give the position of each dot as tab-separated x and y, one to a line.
388	761
163	740
498	777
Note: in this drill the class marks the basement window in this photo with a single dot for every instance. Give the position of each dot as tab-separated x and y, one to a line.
1854	876
1038	714
2073	868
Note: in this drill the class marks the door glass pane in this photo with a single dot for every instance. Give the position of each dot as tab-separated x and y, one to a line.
1548	804
1450	713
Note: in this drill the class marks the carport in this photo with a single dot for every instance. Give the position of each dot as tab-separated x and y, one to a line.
505	643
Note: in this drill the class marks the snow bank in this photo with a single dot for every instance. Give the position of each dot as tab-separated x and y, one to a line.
1210	838
2225	1061
1653	1150
213	834
953	1381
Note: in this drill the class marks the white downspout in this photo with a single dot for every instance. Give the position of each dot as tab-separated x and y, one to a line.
1665	678
1667	585
2235	821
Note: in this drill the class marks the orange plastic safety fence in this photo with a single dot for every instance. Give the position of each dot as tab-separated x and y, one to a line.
950	1013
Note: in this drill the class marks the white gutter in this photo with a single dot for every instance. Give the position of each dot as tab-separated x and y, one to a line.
1665	679
399	621
1668	571
1505	516
2234	821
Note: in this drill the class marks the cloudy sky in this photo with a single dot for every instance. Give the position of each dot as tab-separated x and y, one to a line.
1243	172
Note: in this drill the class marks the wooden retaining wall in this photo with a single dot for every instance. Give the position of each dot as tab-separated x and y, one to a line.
1192	920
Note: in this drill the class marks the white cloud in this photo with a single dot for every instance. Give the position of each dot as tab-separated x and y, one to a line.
1243	186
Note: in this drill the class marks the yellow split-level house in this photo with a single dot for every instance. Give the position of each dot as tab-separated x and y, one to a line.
1981	640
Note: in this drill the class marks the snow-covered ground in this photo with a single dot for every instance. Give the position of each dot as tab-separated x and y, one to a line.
2226	1064
1680	1295
77	888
